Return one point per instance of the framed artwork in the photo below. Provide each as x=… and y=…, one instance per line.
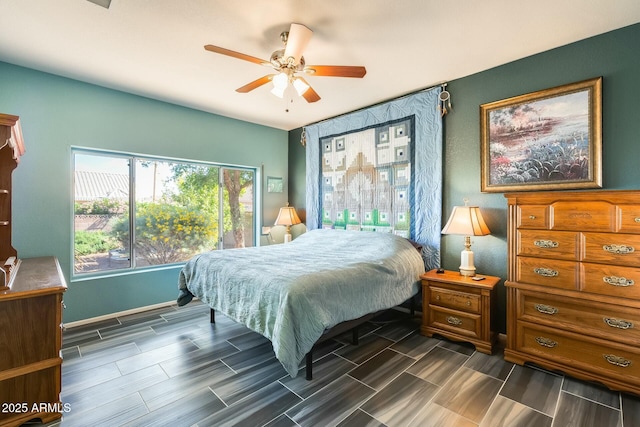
x=274, y=184
x=545, y=140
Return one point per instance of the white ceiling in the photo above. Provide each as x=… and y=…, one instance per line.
x=154, y=48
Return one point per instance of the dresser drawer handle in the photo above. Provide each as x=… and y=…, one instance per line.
x=546, y=309
x=454, y=321
x=617, y=360
x=619, y=249
x=637, y=219
x=468, y=303
x=618, y=323
x=546, y=244
x=437, y=297
x=618, y=281
x=546, y=272
x=546, y=342
x=532, y=217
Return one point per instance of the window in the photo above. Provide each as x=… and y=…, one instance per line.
x=135, y=212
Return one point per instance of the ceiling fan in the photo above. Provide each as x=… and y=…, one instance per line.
x=288, y=62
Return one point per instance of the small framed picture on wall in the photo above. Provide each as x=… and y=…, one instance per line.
x=274, y=184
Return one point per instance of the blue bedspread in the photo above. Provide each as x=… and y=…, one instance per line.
x=292, y=293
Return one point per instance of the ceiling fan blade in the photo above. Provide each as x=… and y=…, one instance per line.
x=335, y=71
x=310, y=95
x=299, y=36
x=255, y=84
x=234, y=54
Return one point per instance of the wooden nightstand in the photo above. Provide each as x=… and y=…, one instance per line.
x=459, y=308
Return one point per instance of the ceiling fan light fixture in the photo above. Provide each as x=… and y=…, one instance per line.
x=278, y=92
x=280, y=81
x=300, y=86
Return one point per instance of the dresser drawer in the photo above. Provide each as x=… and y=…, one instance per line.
x=533, y=216
x=456, y=300
x=611, y=359
x=613, y=248
x=593, y=215
x=629, y=219
x=548, y=244
x=595, y=319
x=455, y=321
x=547, y=272
x=620, y=282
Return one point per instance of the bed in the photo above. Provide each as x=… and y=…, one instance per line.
x=295, y=293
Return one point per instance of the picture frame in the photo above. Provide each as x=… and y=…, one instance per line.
x=274, y=184
x=545, y=140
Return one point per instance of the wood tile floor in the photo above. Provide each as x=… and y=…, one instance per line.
x=171, y=367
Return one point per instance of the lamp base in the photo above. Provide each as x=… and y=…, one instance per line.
x=287, y=237
x=467, y=271
x=467, y=268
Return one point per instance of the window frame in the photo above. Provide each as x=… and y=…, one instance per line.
x=132, y=158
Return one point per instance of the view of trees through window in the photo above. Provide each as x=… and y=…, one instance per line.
x=133, y=212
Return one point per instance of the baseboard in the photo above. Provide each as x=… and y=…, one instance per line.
x=118, y=314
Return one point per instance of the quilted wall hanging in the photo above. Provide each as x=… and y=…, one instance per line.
x=366, y=178
x=380, y=169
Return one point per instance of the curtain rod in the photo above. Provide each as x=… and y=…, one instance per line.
x=443, y=85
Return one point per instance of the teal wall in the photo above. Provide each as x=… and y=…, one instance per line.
x=57, y=113
x=614, y=56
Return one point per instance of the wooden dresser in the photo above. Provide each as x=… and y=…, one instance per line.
x=573, y=288
x=30, y=343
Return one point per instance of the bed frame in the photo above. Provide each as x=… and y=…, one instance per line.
x=339, y=329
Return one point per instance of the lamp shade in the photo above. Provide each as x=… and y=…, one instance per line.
x=287, y=216
x=467, y=221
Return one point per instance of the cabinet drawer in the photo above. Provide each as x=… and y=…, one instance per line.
x=533, y=216
x=622, y=282
x=592, y=215
x=456, y=321
x=456, y=300
x=547, y=272
x=595, y=319
x=548, y=244
x=629, y=218
x=614, y=248
x=612, y=359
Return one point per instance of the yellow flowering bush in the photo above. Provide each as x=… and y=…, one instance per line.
x=167, y=233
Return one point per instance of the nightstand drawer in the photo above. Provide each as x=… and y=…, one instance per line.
x=457, y=300
x=455, y=321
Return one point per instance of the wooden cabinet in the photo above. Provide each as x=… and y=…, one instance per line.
x=11, y=148
x=573, y=289
x=30, y=343
x=459, y=307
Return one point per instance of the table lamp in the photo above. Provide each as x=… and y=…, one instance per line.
x=467, y=221
x=287, y=217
